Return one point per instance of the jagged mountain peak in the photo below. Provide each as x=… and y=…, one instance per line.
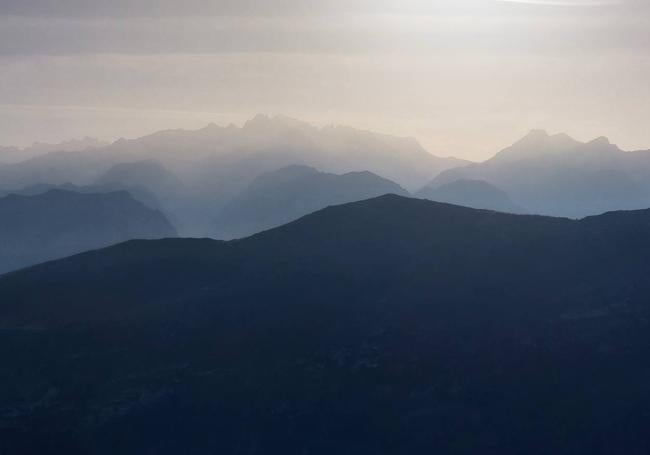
x=600, y=141
x=264, y=121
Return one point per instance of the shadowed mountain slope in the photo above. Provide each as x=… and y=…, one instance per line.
x=155, y=186
x=214, y=164
x=147, y=174
x=471, y=193
x=557, y=175
x=278, y=197
x=60, y=223
x=391, y=325
x=16, y=154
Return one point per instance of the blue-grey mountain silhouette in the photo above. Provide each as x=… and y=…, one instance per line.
x=17, y=154
x=471, y=193
x=148, y=174
x=60, y=223
x=391, y=325
x=278, y=197
x=557, y=175
x=152, y=184
x=216, y=163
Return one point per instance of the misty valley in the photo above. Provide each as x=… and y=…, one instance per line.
x=286, y=288
x=228, y=182
x=339, y=227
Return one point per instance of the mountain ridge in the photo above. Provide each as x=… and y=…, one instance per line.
x=390, y=311
x=277, y=197
x=559, y=176
x=472, y=193
x=60, y=222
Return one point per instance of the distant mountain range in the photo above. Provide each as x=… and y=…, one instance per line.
x=146, y=174
x=278, y=197
x=391, y=325
x=268, y=143
x=59, y=223
x=471, y=193
x=17, y=154
x=263, y=144
x=58, y=168
x=215, y=164
x=557, y=175
x=198, y=178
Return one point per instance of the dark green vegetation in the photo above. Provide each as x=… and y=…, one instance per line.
x=389, y=326
x=58, y=223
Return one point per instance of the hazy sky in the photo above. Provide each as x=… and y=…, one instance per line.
x=466, y=77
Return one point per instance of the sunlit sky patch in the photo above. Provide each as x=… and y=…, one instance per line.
x=464, y=76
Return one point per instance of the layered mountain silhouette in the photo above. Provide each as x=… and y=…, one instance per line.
x=542, y=173
x=471, y=193
x=17, y=154
x=148, y=174
x=140, y=193
x=557, y=175
x=278, y=197
x=41, y=188
x=59, y=223
x=214, y=164
x=150, y=183
x=59, y=168
x=268, y=143
x=391, y=325
x=213, y=154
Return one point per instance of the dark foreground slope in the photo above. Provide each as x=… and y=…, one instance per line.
x=389, y=326
x=59, y=223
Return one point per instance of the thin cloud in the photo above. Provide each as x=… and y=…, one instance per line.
x=158, y=8
x=566, y=3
